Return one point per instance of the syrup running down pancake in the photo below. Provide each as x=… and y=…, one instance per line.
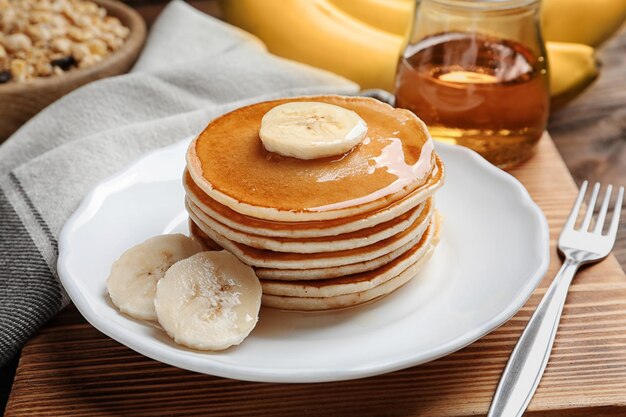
x=229, y=163
x=306, y=229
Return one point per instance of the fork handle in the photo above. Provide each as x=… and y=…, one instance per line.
x=528, y=361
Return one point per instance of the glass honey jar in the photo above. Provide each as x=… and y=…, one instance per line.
x=476, y=73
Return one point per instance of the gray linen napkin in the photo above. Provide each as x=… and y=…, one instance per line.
x=193, y=68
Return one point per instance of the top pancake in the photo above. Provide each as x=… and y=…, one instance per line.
x=229, y=163
x=313, y=229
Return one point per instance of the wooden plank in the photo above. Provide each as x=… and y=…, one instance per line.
x=590, y=132
x=71, y=369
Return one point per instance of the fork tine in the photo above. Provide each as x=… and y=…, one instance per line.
x=592, y=204
x=573, y=215
x=603, y=210
x=616, y=213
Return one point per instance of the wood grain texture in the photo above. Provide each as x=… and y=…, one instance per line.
x=71, y=369
x=590, y=132
x=21, y=101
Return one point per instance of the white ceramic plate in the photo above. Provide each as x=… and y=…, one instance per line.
x=492, y=255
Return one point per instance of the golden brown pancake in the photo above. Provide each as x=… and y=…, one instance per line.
x=357, y=282
x=271, y=259
x=324, y=233
x=310, y=273
x=319, y=228
x=345, y=300
x=229, y=163
x=343, y=241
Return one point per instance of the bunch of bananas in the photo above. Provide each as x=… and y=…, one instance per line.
x=362, y=39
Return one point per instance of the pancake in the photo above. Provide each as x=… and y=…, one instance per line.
x=321, y=233
x=345, y=241
x=311, y=273
x=333, y=227
x=359, y=282
x=196, y=233
x=346, y=300
x=229, y=163
x=270, y=259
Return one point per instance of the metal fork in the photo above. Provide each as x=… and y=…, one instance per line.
x=530, y=356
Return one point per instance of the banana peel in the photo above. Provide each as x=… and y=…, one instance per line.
x=572, y=21
x=589, y=22
x=319, y=33
x=393, y=16
x=573, y=68
x=362, y=39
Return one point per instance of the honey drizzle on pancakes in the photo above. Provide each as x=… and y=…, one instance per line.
x=396, y=158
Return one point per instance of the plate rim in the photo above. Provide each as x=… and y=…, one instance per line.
x=215, y=367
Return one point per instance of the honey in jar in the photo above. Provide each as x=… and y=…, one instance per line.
x=479, y=90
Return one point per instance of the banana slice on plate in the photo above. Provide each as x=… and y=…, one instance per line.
x=209, y=301
x=134, y=276
x=310, y=130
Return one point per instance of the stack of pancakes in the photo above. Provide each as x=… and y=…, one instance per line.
x=324, y=233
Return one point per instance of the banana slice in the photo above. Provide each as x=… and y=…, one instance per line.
x=310, y=130
x=209, y=301
x=134, y=276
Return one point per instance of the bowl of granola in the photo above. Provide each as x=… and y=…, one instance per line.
x=51, y=47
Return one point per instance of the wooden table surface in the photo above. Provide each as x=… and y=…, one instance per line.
x=590, y=133
x=71, y=369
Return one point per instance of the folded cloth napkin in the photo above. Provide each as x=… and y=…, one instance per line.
x=193, y=68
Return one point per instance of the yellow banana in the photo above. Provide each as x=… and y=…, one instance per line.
x=318, y=33
x=581, y=21
x=572, y=68
x=393, y=16
x=363, y=39
x=577, y=21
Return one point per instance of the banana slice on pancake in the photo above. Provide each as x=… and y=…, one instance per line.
x=311, y=130
x=209, y=301
x=134, y=276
